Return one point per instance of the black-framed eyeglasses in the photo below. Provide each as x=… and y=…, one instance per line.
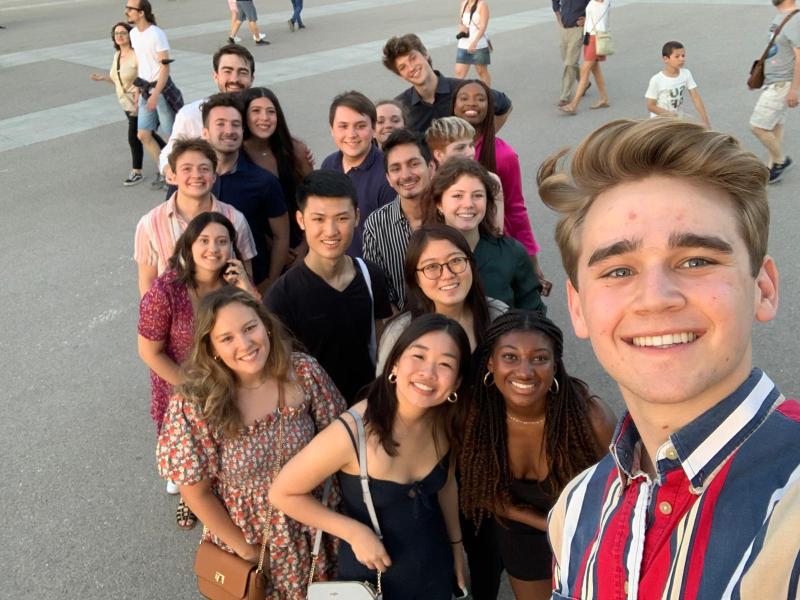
x=133, y=8
x=117, y=33
x=456, y=265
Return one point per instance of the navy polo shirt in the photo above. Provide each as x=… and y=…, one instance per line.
x=571, y=11
x=258, y=195
x=420, y=113
x=372, y=188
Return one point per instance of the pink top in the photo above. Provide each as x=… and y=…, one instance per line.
x=240, y=472
x=516, y=223
x=159, y=230
x=166, y=315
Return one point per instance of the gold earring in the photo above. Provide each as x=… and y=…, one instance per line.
x=392, y=377
x=216, y=357
x=555, y=381
x=486, y=379
x=452, y=398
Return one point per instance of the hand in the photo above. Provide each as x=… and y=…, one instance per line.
x=152, y=102
x=473, y=46
x=97, y=77
x=463, y=28
x=547, y=286
x=235, y=274
x=369, y=550
x=580, y=21
x=310, y=157
x=791, y=99
x=252, y=552
x=291, y=257
x=459, y=565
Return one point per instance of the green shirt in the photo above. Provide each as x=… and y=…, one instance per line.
x=507, y=273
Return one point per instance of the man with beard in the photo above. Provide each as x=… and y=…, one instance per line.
x=409, y=169
x=247, y=187
x=234, y=67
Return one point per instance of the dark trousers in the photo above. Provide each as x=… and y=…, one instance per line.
x=137, y=150
x=485, y=564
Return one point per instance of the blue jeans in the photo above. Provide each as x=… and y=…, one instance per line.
x=151, y=119
x=298, y=7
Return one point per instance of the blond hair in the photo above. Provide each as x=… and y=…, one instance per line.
x=447, y=130
x=208, y=382
x=628, y=150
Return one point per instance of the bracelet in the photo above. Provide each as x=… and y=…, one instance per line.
x=457, y=542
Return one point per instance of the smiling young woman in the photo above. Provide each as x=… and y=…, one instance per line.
x=530, y=428
x=243, y=392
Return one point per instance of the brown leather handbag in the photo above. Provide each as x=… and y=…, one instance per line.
x=225, y=576
x=756, y=79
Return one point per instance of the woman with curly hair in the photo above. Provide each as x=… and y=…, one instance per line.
x=531, y=427
x=247, y=405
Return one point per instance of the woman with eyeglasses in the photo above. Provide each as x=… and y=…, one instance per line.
x=440, y=277
x=462, y=194
x=124, y=69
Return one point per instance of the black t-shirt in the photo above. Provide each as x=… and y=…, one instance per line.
x=333, y=326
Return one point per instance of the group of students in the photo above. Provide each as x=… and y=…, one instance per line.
x=413, y=296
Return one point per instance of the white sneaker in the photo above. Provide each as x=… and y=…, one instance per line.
x=172, y=488
x=236, y=39
x=261, y=36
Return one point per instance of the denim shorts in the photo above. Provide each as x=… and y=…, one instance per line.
x=247, y=10
x=481, y=56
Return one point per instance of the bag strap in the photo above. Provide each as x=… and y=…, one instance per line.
x=776, y=33
x=373, y=342
x=603, y=16
x=276, y=467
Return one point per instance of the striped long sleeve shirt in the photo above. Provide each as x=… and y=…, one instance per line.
x=721, y=519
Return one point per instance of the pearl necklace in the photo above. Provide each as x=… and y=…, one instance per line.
x=516, y=420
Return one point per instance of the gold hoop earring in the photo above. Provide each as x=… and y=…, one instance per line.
x=486, y=379
x=555, y=382
x=216, y=357
x=452, y=398
x=392, y=378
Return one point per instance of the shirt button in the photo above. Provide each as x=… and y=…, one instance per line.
x=665, y=508
x=671, y=454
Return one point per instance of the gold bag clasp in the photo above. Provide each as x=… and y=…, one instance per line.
x=219, y=577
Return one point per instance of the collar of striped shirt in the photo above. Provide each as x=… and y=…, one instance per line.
x=704, y=444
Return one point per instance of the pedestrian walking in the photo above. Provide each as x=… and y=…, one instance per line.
x=474, y=46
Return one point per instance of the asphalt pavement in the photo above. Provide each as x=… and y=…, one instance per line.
x=83, y=514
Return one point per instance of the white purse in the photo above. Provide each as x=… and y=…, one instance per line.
x=348, y=590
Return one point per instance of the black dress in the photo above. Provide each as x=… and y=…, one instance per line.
x=414, y=535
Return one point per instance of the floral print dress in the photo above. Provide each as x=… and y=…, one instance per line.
x=241, y=471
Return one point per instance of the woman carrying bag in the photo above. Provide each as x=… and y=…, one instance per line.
x=595, y=26
x=246, y=406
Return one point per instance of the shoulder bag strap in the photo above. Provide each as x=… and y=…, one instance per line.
x=362, y=465
x=776, y=33
x=373, y=342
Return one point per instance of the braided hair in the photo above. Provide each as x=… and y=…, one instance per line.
x=569, y=441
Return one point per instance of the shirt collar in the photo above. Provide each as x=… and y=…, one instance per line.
x=396, y=211
x=443, y=87
x=701, y=447
x=366, y=164
x=173, y=212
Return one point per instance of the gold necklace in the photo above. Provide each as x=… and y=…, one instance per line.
x=516, y=420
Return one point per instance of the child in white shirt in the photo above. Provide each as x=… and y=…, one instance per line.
x=668, y=88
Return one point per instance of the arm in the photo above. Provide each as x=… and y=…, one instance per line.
x=448, y=501
x=791, y=97
x=527, y=516
x=657, y=110
x=603, y=422
x=483, y=11
x=330, y=451
x=202, y=501
x=700, y=107
x=499, y=204
x=304, y=158
x=525, y=283
x=161, y=82
x=147, y=275
x=280, y=246
x=101, y=77
x=152, y=354
x=500, y=120
x=518, y=223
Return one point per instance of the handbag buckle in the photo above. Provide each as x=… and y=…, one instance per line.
x=219, y=578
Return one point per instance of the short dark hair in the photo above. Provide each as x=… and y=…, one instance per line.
x=398, y=46
x=183, y=145
x=326, y=184
x=226, y=100
x=238, y=50
x=114, y=28
x=401, y=137
x=355, y=101
x=182, y=260
x=668, y=48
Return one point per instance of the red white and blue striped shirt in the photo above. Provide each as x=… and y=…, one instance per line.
x=720, y=520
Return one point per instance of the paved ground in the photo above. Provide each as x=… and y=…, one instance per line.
x=81, y=501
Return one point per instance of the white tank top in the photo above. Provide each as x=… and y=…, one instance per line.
x=473, y=25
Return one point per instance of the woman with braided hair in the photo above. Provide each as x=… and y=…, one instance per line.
x=531, y=427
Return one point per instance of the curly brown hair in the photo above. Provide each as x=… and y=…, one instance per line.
x=569, y=441
x=210, y=384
